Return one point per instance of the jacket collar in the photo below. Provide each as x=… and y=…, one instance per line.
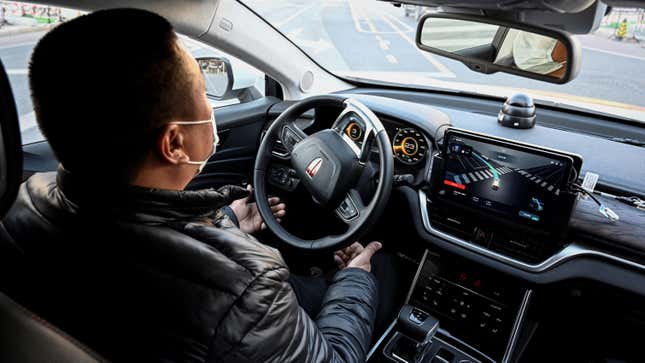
x=145, y=204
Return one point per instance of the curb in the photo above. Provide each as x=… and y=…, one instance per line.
x=24, y=30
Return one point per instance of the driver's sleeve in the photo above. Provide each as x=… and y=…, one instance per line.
x=281, y=331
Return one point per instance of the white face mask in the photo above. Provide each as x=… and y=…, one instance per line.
x=202, y=164
x=532, y=52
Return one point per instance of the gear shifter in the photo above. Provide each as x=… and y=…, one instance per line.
x=418, y=328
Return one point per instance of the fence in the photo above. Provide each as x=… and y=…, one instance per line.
x=635, y=19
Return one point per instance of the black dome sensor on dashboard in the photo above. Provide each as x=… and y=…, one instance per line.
x=518, y=112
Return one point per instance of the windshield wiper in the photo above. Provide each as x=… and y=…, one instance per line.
x=626, y=140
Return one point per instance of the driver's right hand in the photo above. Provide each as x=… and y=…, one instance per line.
x=356, y=255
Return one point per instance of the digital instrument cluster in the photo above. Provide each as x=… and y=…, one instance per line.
x=409, y=145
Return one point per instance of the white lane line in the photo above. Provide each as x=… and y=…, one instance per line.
x=279, y=24
x=358, y=15
x=384, y=44
x=392, y=59
x=18, y=71
x=17, y=45
x=615, y=53
x=440, y=67
x=408, y=27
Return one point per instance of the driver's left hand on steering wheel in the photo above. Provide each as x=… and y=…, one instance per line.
x=248, y=216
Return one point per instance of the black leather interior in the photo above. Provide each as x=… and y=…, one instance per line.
x=24, y=337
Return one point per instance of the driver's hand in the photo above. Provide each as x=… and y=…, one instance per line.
x=248, y=215
x=356, y=255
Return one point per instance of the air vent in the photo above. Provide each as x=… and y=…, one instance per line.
x=527, y=250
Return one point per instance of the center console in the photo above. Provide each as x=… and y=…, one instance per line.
x=478, y=314
x=510, y=198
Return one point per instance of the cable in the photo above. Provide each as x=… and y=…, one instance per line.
x=602, y=208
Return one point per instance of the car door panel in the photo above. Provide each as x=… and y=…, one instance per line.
x=239, y=127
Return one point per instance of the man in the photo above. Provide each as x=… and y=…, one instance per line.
x=540, y=54
x=119, y=255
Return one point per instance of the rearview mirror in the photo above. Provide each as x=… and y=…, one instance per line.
x=487, y=45
x=218, y=76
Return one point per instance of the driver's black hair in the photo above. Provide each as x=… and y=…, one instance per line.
x=102, y=84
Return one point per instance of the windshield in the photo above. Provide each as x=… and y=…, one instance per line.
x=373, y=41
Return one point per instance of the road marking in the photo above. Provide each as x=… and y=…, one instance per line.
x=384, y=44
x=457, y=179
x=465, y=178
x=550, y=188
x=392, y=59
x=294, y=15
x=18, y=72
x=409, y=28
x=440, y=67
x=543, y=184
x=354, y=10
x=17, y=45
x=472, y=176
x=615, y=53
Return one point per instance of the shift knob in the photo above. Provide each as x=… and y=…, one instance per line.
x=416, y=324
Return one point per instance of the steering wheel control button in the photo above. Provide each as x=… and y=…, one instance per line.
x=283, y=177
x=347, y=209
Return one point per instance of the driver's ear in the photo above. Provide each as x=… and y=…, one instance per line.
x=170, y=145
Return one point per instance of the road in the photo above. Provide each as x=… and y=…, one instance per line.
x=373, y=39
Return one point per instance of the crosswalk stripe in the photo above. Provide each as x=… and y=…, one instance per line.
x=474, y=178
x=543, y=184
x=550, y=188
x=457, y=180
x=465, y=178
x=557, y=192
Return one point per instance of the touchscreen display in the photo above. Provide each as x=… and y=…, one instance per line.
x=516, y=183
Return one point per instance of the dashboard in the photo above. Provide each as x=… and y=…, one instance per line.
x=582, y=241
x=409, y=145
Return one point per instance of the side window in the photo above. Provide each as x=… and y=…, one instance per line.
x=246, y=84
x=21, y=26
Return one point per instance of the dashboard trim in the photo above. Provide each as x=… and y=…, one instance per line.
x=517, y=325
x=571, y=251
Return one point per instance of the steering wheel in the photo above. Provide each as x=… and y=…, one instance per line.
x=329, y=163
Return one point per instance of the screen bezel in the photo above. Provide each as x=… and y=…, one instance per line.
x=557, y=225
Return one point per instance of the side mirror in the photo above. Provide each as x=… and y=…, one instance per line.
x=489, y=45
x=218, y=76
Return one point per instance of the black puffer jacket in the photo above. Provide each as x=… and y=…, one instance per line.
x=149, y=275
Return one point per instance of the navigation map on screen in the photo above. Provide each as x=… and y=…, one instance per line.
x=512, y=182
